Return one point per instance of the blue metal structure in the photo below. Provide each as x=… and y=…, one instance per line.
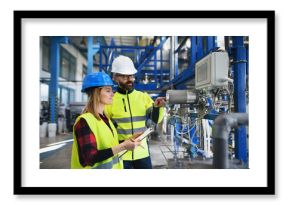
x=146, y=57
x=54, y=72
x=177, y=130
x=92, y=50
x=198, y=51
x=211, y=44
x=200, y=48
x=193, y=51
x=240, y=63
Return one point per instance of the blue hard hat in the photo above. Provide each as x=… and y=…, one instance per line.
x=98, y=79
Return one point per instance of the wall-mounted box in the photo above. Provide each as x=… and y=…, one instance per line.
x=212, y=71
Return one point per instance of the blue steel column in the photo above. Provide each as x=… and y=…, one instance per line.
x=138, y=51
x=193, y=51
x=173, y=58
x=107, y=56
x=54, y=73
x=200, y=53
x=176, y=56
x=240, y=95
x=155, y=69
x=90, y=55
x=210, y=43
x=161, y=67
x=92, y=49
x=101, y=60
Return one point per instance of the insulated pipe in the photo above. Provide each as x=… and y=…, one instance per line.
x=220, y=133
x=173, y=57
x=181, y=97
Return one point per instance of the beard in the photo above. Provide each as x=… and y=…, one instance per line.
x=127, y=86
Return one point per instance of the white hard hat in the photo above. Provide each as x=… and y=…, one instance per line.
x=123, y=65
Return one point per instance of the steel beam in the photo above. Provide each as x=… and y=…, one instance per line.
x=149, y=56
x=54, y=74
x=211, y=43
x=200, y=52
x=193, y=51
x=92, y=50
x=240, y=95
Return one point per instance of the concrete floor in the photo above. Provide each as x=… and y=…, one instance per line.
x=55, y=153
x=60, y=154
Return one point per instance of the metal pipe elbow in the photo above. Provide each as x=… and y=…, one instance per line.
x=220, y=133
x=225, y=122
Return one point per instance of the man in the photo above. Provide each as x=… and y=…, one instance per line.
x=130, y=109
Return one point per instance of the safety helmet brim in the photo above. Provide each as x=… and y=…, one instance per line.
x=98, y=79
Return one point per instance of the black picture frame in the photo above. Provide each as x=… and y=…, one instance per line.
x=19, y=189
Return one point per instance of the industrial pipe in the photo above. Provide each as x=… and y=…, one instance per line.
x=220, y=133
x=181, y=97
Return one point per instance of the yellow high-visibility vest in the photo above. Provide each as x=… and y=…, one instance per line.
x=129, y=112
x=105, y=139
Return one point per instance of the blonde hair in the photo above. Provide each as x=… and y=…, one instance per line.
x=93, y=102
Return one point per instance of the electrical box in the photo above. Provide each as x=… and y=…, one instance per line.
x=212, y=71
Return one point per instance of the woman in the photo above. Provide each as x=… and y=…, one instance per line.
x=95, y=137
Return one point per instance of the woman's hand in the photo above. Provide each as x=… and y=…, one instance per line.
x=130, y=144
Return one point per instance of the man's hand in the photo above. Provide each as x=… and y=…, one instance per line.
x=160, y=102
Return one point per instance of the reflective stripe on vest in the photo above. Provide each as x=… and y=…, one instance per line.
x=108, y=165
x=129, y=131
x=128, y=119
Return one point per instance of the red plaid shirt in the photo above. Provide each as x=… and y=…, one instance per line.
x=87, y=145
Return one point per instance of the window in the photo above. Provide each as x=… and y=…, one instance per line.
x=67, y=65
x=84, y=71
x=66, y=95
x=45, y=53
x=43, y=92
x=84, y=97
